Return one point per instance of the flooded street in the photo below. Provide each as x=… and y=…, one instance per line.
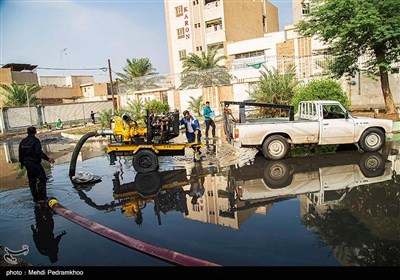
x=234, y=208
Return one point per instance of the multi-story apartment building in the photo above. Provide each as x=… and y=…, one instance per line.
x=198, y=25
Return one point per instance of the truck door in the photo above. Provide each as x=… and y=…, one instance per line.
x=335, y=128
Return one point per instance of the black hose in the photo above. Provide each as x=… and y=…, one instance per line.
x=72, y=165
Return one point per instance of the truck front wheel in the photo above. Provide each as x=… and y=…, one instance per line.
x=145, y=161
x=275, y=147
x=372, y=140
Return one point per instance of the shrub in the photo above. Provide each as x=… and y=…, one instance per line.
x=157, y=107
x=320, y=90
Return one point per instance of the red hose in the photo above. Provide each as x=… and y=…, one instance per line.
x=162, y=253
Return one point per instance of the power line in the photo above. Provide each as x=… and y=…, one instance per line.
x=104, y=69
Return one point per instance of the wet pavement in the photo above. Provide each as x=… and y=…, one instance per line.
x=234, y=208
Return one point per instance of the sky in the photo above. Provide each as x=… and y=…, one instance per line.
x=85, y=34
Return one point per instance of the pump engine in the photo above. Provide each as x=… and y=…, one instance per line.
x=158, y=129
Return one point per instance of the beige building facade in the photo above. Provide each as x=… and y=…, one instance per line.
x=54, y=89
x=195, y=26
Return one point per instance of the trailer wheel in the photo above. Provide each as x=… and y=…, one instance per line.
x=277, y=174
x=372, y=140
x=148, y=183
x=372, y=165
x=145, y=161
x=275, y=147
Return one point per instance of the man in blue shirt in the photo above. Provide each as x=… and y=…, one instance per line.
x=207, y=113
x=192, y=127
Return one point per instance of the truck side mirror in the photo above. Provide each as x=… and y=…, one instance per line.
x=346, y=115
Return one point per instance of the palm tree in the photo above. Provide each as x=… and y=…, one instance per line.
x=204, y=71
x=196, y=104
x=276, y=88
x=139, y=74
x=19, y=95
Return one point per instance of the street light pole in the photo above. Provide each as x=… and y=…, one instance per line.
x=27, y=101
x=112, y=86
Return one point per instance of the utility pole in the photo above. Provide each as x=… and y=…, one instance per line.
x=27, y=102
x=112, y=86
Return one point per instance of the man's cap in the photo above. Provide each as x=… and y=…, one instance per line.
x=31, y=130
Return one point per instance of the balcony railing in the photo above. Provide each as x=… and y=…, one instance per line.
x=212, y=5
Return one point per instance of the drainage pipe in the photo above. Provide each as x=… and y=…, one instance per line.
x=100, y=132
x=144, y=247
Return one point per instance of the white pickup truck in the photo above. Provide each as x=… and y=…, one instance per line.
x=318, y=122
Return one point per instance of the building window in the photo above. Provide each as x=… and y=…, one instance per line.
x=305, y=8
x=249, y=54
x=264, y=19
x=181, y=33
x=197, y=25
x=200, y=48
x=182, y=54
x=195, y=2
x=179, y=11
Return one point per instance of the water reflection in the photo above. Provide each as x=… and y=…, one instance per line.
x=43, y=233
x=349, y=201
x=232, y=196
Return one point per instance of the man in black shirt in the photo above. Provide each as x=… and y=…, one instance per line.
x=30, y=157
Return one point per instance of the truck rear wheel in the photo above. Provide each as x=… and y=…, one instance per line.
x=372, y=140
x=275, y=147
x=145, y=161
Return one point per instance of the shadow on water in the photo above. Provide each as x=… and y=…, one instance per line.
x=43, y=233
x=330, y=209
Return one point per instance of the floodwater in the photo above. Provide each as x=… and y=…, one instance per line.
x=234, y=208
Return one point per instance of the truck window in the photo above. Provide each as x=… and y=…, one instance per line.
x=333, y=112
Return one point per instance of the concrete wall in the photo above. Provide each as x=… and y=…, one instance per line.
x=366, y=92
x=15, y=119
x=58, y=92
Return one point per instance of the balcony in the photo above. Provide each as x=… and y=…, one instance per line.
x=213, y=10
x=252, y=62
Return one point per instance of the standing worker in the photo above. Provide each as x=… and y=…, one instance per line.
x=208, y=113
x=30, y=157
x=192, y=126
x=92, y=116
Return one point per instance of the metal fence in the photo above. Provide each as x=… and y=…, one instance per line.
x=16, y=119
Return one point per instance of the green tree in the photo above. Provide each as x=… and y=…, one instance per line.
x=139, y=74
x=358, y=27
x=320, y=90
x=105, y=118
x=16, y=95
x=204, y=71
x=136, y=110
x=157, y=107
x=196, y=105
x=274, y=87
